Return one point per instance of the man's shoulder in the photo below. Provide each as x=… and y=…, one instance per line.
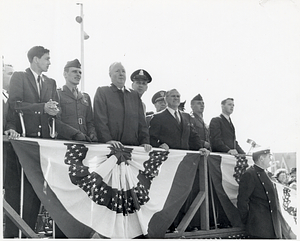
x=46, y=78
x=216, y=119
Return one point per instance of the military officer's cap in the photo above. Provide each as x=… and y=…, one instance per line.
x=197, y=97
x=141, y=74
x=260, y=151
x=158, y=96
x=73, y=63
x=181, y=106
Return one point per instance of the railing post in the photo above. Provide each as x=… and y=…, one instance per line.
x=203, y=184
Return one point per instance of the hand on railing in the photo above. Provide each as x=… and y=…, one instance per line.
x=12, y=134
x=204, y=152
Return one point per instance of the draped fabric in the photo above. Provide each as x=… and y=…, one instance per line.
x=95, y=189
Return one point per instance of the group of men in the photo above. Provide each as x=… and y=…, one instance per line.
x=117, y=117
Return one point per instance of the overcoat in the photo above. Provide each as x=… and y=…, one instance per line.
x=120, y=116
x=258, y=204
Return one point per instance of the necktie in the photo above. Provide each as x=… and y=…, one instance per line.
x=74, y=91
x=39, y=84
x=176, y=117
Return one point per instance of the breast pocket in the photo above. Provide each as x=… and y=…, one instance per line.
x=68, y=108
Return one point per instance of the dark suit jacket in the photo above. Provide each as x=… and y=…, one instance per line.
x=222, y=135
x=257, y=202
x=24, y=96
x=120, y=116
x=76, y=114
x=165, y=129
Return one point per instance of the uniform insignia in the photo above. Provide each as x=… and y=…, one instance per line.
x=141, y=72
x=162, y=94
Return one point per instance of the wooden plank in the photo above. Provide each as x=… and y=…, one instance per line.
x=191, y=213
x=234, y=233
x=18, y=221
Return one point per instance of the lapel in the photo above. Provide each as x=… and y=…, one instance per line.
x=227, y=122
x=45, y=86
x=31, y=79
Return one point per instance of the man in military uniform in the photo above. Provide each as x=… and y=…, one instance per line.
x=140, y=80
x=197, y=105
x=76, y=121
x=257, y=201
x=159, y=102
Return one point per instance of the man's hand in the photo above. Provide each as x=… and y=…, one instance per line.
x=51, y=108
x=147, y=147
x=115, y=144
x=12, y=134
x=206, y=145
x=204, y=151
x=79, y=137
x=164, y=146
x=233, y=152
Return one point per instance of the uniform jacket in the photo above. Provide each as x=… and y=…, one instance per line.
x=120, y=116
x=201, y=128
x=257, y=202
x=24, y=97
x=165, y=129
x=222, y=135
x=76, y=114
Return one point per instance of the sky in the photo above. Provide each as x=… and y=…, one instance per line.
x=248, y=50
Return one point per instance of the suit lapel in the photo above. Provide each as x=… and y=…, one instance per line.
x=45, y=86
x=227, y=122
x=171, y=118
x=31, y=79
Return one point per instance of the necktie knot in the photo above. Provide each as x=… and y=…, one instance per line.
x=75, y=93
x=39, y=79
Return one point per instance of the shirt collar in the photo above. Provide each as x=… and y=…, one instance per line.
x=226, y=116
x=36, y=75
x=172, y=111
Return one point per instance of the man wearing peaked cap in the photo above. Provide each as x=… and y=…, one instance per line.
x=159, y=102
x=140, y=79
x=76, y=120
x=197, y=106
x=257, y=201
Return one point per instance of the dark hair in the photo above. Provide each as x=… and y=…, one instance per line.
x=223, y=102
x=37, y=51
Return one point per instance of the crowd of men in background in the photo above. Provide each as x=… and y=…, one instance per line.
x=33, y=105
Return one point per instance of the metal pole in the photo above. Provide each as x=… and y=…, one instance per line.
x=82, y=45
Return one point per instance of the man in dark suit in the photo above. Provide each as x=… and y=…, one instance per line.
x=172, y=128
x=257, y=201
x=222, y=132
x=118, y=112
x=34, y=95
x=76, y=119
x=197, y=105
